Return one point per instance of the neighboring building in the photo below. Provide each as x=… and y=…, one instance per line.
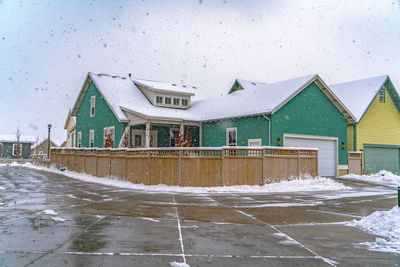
x=70, y=127
x=42, y=147
x=11, y=148
x=375, y=104
x=119, y=112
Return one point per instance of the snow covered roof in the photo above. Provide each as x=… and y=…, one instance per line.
x=121, y=94
x=246, y=84
x=258, y=98
x=53, y=142
x=357, y=95
x=12, y=138
x=166, y=87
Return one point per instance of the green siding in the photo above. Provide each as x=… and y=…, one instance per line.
x=235, y=87
x=311, y=113
x=104, y=117
x=214, y=132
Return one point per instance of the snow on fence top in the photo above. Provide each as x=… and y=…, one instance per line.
x=188, y=148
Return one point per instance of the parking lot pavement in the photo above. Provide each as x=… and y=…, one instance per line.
x=48, y=219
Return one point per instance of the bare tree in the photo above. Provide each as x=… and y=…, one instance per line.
x=18, y=147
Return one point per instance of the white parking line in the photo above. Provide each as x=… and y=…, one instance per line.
x=180, y=231
x=328, y=261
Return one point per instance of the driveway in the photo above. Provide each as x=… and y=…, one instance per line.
x=48, y=219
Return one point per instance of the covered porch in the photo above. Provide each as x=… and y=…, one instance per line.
x=144, y=132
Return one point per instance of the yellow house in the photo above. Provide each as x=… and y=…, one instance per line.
x=375, y=104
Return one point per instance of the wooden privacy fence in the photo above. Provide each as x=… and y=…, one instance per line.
x=354, y=159
x=191, y=166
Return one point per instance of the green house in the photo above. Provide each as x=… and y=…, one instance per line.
x=127, y=112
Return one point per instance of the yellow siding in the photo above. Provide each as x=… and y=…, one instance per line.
x=350, y=137
x=380, y=124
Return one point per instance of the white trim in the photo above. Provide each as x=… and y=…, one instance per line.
x=92, y=106
x=227, y=135
x=255, y=140
x=13, y=148
x=285, y=135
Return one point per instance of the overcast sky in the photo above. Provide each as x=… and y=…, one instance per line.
x=47, y=47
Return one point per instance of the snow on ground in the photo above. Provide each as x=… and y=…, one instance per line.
x=2, y=188
x=385, y=224
x=294, y=185
x=58, y=219
x=178, y=264
x=50, y=212
x=381, y=178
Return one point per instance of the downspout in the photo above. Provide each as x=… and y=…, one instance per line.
x=269, y=128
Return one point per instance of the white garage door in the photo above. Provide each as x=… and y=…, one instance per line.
x=327, y=149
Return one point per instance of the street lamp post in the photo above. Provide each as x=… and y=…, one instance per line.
x=48, y=142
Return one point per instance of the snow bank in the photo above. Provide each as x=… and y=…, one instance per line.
x=2, y=188
x=304, y=184
x=382, y=178
x=49, y=212
x=385, y=224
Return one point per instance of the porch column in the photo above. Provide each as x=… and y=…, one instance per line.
x=181, y=129
x=147, y=134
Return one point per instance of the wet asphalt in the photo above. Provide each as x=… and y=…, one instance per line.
x=48, y=219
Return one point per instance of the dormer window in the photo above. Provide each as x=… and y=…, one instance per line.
x=92, y=105
x=167, y=101
x=184, y=102
x=159, y=99
x=176, y=101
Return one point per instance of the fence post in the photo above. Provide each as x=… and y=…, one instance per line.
x=298, y=163
x=180, y=167
x=148, y=166
x=223, y=167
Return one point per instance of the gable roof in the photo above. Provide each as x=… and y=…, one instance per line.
x=12, y=138
x=358, y=95
x=121, y=94
x=53, y=143
x=262, y=98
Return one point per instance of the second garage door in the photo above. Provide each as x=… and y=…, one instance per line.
x=379, y=158
x=327, y=151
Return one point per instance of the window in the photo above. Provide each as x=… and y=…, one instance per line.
x=231, y=136
x=382, y=95
x=168, y=100
x=184, y=102
x=139, y=138
x=174, y=136
x=91, y=138
x=108, y=140
x=92, y=105
x=17, y=149
x=79, y=137
x=159, y=99
x=73, y=139
x=176, y=101
x=254, y=142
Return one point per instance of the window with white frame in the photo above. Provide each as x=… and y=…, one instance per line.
x=231, y=136
x=92, y=105
x=167, y=100
x=139, y=138
x=184, y=102
x=108, y=140
x=176, y=101
x=91, y=138
x=79, y=139
x=73, y=139
x=159, y=99
x=254, y=142
x=174, y=136
x=17, y=149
